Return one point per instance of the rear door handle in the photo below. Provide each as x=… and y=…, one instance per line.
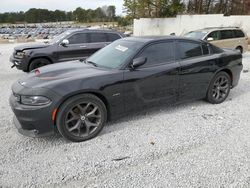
x=83, y=46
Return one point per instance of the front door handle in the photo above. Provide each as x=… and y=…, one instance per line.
x=83, y=46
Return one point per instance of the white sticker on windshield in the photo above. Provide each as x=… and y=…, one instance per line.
x=121, y=48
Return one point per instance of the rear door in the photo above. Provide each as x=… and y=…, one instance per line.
x=155, y=81
x=97, y=41
x=227, y=39
x=197, y=68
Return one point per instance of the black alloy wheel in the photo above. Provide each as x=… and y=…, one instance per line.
x=81, y=117
x=219, y=88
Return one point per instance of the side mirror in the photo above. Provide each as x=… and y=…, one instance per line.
x=210, y=39
x=138, y=62
x=65, y=42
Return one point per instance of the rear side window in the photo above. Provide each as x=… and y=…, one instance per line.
x=97, y=37
x=227, y=34
x=78, y=38
x=239, y=34
x=189, y=49
x=159, y=53
x=112, y=37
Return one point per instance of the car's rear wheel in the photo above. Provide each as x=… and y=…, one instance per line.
x=219, y=88
x=39, y=62
x=239, y=48
x=81, y=117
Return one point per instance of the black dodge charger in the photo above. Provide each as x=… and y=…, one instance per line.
x=77, y=98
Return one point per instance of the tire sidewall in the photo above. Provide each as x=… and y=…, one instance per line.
x=68, y=104
x=35, y=61
x=210, y=92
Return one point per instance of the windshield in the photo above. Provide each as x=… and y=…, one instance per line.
x=115, y=54
x=59, y=37
x=196, y=34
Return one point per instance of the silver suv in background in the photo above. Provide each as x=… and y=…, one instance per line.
x=223, y=37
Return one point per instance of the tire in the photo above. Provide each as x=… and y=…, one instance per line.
x=240, y=49
x=36, y=63
x=81, y=117
x=219, y=88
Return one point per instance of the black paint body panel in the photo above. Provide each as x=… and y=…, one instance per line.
x=122, y=90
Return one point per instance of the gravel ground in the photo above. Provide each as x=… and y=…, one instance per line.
x=193, y=144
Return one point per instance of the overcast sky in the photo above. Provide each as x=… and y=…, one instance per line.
x=24, y=5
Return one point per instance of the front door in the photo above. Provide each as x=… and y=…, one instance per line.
x=157, y=81
x=78, y=48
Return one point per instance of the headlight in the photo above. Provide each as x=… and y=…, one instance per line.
x=35, y=100
x=20, y=55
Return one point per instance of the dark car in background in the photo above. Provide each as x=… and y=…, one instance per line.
x=77, y=98
x=70, y=45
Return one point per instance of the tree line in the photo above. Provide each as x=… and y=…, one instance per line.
x=170, y=8
x=132, y=9
x=34, y=15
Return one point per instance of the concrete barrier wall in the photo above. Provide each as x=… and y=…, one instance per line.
x=185, y=23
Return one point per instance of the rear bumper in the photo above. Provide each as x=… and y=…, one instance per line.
x=236, y=70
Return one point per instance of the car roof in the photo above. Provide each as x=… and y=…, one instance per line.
x=209, y=29
x=93, y=30
x=147, y=39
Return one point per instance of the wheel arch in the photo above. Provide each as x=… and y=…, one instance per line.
x=95, y=93
x=227, y=70
x=39, y=57
x=240, y=47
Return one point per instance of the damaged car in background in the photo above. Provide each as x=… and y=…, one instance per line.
x=70, y=45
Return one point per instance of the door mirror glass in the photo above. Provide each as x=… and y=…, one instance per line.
x=137, y=62
x=65, y=42
x=210, y=39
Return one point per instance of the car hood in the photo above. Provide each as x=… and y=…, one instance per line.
x=31, y=46
x=60, y=73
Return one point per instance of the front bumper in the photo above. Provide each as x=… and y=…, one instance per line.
x=33, y=121
x=30, y=133
x=21, y=64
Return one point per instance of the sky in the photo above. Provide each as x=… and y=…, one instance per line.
x=68, y=5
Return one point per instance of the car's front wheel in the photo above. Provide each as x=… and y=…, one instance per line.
x=39, y=62
x=219, y=88
x=81, y=117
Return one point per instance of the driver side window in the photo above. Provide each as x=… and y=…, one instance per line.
x=215, y=35
x=158, y=53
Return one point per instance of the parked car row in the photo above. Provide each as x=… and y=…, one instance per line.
x=39, y=32
x=77, y=98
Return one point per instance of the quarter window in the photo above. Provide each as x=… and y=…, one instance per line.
x=158, y=53
x=189, y=49
x=239, y=34
x=78, y=38
x=97, y=37
x=205, y=49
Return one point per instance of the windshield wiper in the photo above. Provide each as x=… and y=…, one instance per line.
x=92, y=63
